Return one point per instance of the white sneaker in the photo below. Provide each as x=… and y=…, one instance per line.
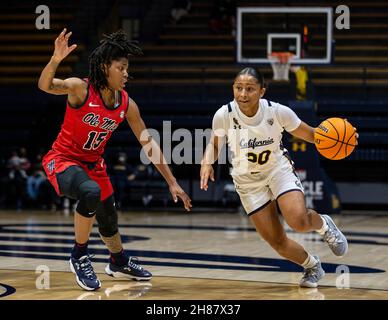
x=334, y=237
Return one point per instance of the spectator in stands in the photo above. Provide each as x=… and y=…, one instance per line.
x=34, y=183
x=75, y=166
x=39, y=191
x=14, y=161
x=120, y=174
x=264, y=175
x=19, y=159
x=301, y=80
x=150, y=178
x=223, y=15
x=17, y=177
x=180, y=9
x=25, y=164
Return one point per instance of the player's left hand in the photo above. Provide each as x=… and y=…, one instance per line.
x=355, y=129
x=62, y=49
x=177, y=192
x=356, y=136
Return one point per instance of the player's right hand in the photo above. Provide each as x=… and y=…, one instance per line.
x=177, y=192
x=207, y=172
x=62, y=49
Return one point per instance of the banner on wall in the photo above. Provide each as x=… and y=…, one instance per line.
x=320, y=193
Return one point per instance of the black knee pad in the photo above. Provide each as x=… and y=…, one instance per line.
x=89, y=195
x=69, y=181
x=106, y=216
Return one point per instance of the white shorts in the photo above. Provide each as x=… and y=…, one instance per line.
x=258, y=194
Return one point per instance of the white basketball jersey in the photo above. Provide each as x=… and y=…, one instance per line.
x=255, y=150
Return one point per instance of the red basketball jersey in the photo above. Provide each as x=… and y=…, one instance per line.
x=87, y=128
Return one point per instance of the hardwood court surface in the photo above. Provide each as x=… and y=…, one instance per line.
x=192, y=256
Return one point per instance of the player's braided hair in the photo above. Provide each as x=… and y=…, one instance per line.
x=112, y=47
x=254, y=73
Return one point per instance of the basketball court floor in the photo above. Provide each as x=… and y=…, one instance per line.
x=192, y=256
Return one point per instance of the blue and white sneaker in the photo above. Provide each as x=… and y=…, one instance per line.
x=311, y=276
x=334, y=238
x=130, y=271
x=85, y=276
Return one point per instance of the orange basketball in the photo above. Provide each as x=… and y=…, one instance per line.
x=335, y=138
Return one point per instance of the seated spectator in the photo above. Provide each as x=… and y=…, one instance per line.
x=17, y=177
x=25, y=164
x=40, y=193
x=180, y=9
x=120, y=174
x=145, y=173
x=34, y=183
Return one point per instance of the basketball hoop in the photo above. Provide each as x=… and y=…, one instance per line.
x=280, y=62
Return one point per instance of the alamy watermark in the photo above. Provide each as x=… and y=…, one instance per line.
x=343, y=20
x=42, y=282
x=182, y=146
x=43, y=20
x=343, y=277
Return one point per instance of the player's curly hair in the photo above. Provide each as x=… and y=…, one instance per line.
x=112, y=47
x=255, y=74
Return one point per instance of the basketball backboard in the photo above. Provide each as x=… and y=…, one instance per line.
x=304, y=31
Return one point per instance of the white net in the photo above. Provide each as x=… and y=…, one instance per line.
x=280, y=63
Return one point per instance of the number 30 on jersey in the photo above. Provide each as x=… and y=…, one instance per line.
x=259, y=158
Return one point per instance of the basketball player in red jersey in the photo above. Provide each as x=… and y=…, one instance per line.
x=74, y=165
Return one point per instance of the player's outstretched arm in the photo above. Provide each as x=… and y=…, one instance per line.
x=304, y=132
x=47, y=82
x=210, y=156
x=154, y=153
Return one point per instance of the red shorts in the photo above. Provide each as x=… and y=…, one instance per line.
x=54, y=163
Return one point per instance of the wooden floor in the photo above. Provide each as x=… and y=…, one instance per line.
x=192, y=256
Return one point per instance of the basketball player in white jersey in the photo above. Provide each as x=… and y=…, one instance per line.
x=263, y=172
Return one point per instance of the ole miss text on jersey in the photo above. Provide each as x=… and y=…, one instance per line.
x=87, y=127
